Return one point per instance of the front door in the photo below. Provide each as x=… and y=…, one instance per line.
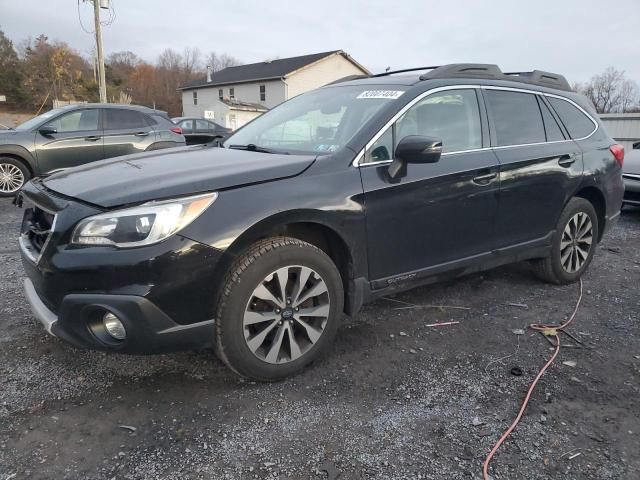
x=126, y=131
x=438, y=213
x=77, y=140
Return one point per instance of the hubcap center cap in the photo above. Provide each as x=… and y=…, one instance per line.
x=287, y=313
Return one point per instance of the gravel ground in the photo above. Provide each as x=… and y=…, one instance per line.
x=394, y=399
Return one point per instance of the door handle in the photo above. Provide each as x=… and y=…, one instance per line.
x=567, y=160
x=92, y=138
x=485, y=179
x=141, y=134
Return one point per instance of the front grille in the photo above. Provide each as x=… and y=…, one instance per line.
x=37, y=225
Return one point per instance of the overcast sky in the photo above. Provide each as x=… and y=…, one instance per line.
x=575, y=37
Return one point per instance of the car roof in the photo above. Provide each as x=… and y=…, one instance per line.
x=140, y=108
x=484, y=74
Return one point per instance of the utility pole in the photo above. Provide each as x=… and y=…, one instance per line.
x=101, y=76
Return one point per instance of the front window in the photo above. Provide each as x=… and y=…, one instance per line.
x=451, y=116
x=39, y=120
x=78, y=121
x=316, y=122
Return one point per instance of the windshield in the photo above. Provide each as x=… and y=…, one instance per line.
x=35, y=121
x=319, y=121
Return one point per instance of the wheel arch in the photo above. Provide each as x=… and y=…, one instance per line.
x=22, y=156
x=595, y=196
x=311, y=227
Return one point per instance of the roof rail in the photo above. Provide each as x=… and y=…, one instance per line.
x=539, y=77
x=404, y=70
x=348, y=78
x=480, y=70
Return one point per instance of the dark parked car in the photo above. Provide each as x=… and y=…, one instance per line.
x=336, y=197
x=631, y=176
x=199, y=130
x=78, y=134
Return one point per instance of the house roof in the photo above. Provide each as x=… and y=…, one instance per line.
x=268, y=70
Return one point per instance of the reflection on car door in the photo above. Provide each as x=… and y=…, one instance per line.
x=438, y=212
x=539, y=166
x=126, y=131
x=78, y=140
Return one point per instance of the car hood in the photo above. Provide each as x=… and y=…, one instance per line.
x=632, y=162
x=171, y=173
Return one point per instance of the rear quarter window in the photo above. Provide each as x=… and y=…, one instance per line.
x=575, y=121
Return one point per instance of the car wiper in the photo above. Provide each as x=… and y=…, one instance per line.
x=252, y=147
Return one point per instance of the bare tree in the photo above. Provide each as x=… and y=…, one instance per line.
x=220, y=61
x=610, y=91
x=629, y=96
x=191, y=63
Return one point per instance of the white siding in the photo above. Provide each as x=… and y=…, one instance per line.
x=624, y=128
x=320, y=73
x=244, y=92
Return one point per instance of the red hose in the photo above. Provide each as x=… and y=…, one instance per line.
x=551, y=330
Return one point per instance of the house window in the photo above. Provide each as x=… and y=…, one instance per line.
x=195, y=97
x=220, y=93
x=263, y=93
x=232, y=93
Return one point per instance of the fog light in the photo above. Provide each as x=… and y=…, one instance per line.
x=114, y=326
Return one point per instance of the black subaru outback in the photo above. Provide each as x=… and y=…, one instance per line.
x=360, y=188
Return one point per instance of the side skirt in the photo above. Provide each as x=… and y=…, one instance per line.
x=537, y=248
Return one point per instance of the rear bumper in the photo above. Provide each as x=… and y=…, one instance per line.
x=149, y=329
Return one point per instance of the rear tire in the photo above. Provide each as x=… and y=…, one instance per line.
x=573, y=244
x=13, y=175
x=266, y=334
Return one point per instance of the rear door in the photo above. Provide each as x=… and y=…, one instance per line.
x=126, y=131
x=438, y=213
x=539, y=165
x=77, y=140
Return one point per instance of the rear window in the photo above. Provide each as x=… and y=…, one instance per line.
x=576, y=122
x=516, y=118
x=116, y=119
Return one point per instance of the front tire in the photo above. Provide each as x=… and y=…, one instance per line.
x=279, y=309
x=13, y=175
x=574, y=244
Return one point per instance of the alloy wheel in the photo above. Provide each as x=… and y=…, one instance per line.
x=11, y=178
x=576, y=242
x=286, y=314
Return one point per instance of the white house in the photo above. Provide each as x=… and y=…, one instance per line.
x=236, y=95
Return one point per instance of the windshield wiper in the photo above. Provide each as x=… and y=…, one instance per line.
x=252, y=147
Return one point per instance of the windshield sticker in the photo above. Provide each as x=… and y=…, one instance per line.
x=388, y=94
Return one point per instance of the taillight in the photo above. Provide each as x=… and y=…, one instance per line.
x=618, y=153
x=178, y=130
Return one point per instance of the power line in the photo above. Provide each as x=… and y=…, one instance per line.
x=90, y=32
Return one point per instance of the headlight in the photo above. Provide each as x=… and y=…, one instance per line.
x=149, y=223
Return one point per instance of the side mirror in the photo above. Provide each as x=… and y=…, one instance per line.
x=47, y=130
x=414, y=149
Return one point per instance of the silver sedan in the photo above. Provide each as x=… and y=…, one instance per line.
x=631, y=176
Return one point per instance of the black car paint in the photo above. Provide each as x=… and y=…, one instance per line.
x=165, y=174
x=434, y=223
x=198, y=136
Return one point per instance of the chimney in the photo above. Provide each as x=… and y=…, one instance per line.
x=209, y=69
